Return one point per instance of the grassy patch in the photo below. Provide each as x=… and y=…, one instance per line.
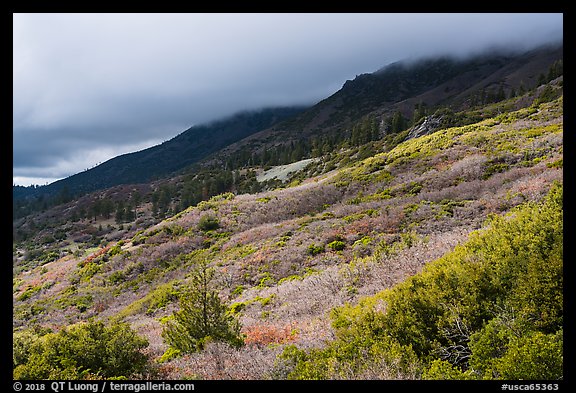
x=153, y=301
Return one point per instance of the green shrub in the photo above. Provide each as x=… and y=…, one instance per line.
x=266, y=281
x=117, y=249
x=494, y=168
x=47, y=239
x=117, y=277
x=556, y=164
x=413, y=188
x=444, y=370
x=314, y=249
x=28, y=293
x=156, y=299
x=238, y=290
x=83, y=302
x=87, y=348
x=170, y=354
x=337, y=245
x=237, y=307
x=208, y=223
x=227, y=196
x=447, y=207
x=498, y=351
x=89, y=269
x=290, y=278
x=50, y=257
x=264, y=300
x=22, y=342
x=534, y=356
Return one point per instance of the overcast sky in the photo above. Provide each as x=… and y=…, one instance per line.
x=88, y=87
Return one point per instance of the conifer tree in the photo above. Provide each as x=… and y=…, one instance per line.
x=202, y=317
x=398, y=122
x=521, y=89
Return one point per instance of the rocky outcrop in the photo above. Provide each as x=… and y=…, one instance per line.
x=428, y=126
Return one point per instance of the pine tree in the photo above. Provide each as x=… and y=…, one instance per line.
x=107, y=207
x=521, y=89
x=129, y=214
x=202, y=317
x=555, y=70
x=419, y=112
x=96, y=209
x=64, y=195
x=501, y=94
x=120, y=212
x=164, y=199
x=398, y=122
x=355, y=137
x=136, y=199
x=490, y=97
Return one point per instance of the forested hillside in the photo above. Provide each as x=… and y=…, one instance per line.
x=185, y=149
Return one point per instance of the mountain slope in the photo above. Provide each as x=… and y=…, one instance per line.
x=426, y=252
x=400, y=87
x=158, y=161
x=285, y=259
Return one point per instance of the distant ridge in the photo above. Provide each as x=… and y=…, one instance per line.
x=161, y=160
x=395, y=88
x=443, y=80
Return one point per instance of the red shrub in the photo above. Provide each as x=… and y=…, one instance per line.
x=269, y=334
x=95, y=255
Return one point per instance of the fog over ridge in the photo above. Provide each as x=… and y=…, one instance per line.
x=88, y=87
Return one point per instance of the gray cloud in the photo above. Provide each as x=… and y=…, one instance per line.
x=91, y=86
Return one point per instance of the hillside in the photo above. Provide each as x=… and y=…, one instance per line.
x=158, y=161
x=406, y=91
x=367, y=108
x=329, y=260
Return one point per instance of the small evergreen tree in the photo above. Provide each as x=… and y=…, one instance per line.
x=107, y=207
x=419, y=112
x=202, y=317
x=96, y=209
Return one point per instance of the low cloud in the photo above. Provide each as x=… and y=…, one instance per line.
x=91, y=86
